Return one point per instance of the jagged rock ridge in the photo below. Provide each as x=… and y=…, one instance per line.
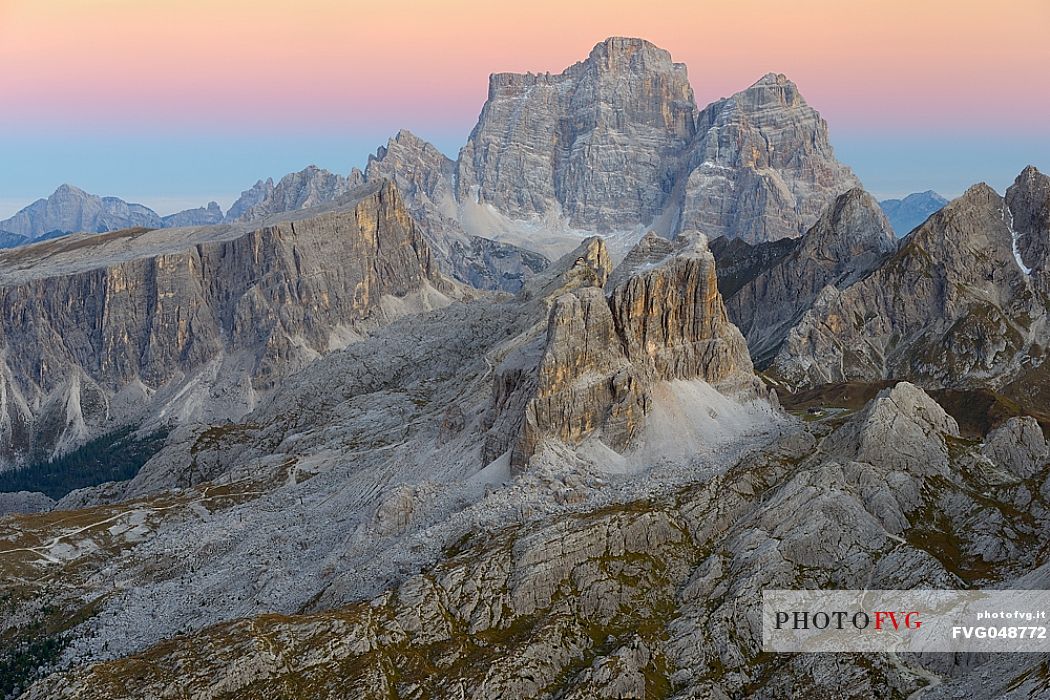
x=72, y=210
x=956, y=305
x=307, y=188
x=426, y=177
x=850, y=240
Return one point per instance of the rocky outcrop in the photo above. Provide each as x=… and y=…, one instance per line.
x=307, y=188
x=189, y=330
x=210, y=215
x=905, y=415
x=598, y=143
x=850, y=240
x=249, y=198
x=591, y=374
x=584, y=382
x=1018, y=445
x=672, y=318
x=487, y=264
x=1028, y=199
x=953, y=306
x=425, y=176
x=24, y=502
x=761, y=167
x=72, y=209
x=907, y=213
x=656, y=594
x=517, y=376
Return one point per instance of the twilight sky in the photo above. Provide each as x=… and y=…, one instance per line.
x=175, y=102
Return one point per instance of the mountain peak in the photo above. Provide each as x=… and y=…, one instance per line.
x=772, y=88
x=405, y=136
x=980, y=193
x=855, y=219
x=771, y=78
x=1029, y=173
x=625, y=46
x=66, y=189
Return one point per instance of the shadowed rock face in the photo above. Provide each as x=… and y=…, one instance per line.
x=1029, y=201
x=954, y=306
x=599, y=141
x=850, y=240
x=98, y=345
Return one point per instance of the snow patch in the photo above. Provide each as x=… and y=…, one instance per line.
x=1008, y=219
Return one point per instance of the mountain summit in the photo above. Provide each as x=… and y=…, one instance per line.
x=616, y=142
x=905, y=214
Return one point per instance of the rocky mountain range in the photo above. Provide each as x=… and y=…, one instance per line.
x=963, y=300
x=195, y=322
x=851, y=239
x=541, y=421
x=905, y=214
x=614, y=145
x=71, y=210
x=12, y=240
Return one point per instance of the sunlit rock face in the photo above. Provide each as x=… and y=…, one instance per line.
x=762, y=167
x=658, y=318
x=599, y=142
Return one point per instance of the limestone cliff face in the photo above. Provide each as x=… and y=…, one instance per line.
x=672, y=318
x=591, y=373
x=1028, y=199
x=203, y=327
x=425, y=176
x=616, y=142
x=762, y=167
x=599, y=141
x=953, y=306
x=517, y=378
x=584, y=381
x=850, y=240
